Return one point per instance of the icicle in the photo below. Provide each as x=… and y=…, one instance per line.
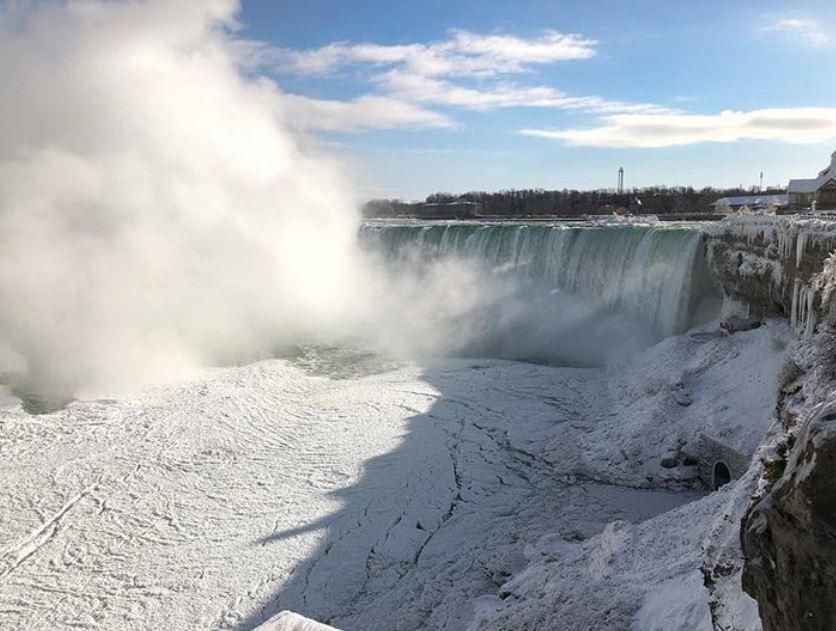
x=800, y=246
x=810, y=313
x=802, y=312
x=796, y=289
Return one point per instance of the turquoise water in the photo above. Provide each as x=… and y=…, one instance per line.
x=653, y=273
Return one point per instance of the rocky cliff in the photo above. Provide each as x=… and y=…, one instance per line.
x=777, y=266
x=789, y=535
x=768, y=265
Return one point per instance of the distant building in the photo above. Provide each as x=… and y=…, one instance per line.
x=752, y=202
x=449, y=210
x=821, y=190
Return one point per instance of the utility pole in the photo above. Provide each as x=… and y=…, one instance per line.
x=620, y=180
x=760, y=188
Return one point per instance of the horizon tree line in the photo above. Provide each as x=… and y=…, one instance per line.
x=566, y=202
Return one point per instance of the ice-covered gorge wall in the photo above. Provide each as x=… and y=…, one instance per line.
x=782, y=266
x=785, y=265
x=771, y=265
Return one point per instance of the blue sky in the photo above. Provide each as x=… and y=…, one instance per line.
x=430, y=95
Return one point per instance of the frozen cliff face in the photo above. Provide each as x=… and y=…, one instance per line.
x=768, y=266
x=782, y=266
x=825, y=286
x=789, y=535
x=789, y=532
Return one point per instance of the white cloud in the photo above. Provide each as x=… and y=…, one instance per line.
x=462, y=54
x=807, y=30
x=362, y=113
x=461, y=72
x=793, y=125
x=422, y=89
x=452, y=73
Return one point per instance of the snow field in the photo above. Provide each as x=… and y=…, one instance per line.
x=456, y=493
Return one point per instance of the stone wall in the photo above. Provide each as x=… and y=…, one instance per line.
x=712, y=451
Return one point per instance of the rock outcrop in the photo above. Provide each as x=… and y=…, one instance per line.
x=789, y=535
x=769, y=263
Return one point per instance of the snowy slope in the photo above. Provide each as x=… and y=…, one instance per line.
x=642, y=576
x=648, y=576
x=656, y=407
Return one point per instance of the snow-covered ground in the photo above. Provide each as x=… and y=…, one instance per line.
x=374, y=495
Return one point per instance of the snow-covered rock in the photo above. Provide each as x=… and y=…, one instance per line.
x=790, y=530
x=289, y=621
x=650, y=412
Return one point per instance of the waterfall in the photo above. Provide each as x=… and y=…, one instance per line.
x=655, y=274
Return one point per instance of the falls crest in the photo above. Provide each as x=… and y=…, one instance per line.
x=655, y=274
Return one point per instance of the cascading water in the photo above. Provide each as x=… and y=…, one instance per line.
x=655, y=274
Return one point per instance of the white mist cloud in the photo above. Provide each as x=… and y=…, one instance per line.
x=158, y=214
x=155, y=213
x=792, y=125
x=454, y=305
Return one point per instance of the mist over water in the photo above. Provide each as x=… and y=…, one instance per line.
x=157, y=215
x=582, y=295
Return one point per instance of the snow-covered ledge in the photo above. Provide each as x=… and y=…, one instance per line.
x=289, y=621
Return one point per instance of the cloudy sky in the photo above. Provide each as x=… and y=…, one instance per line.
x=427, y=95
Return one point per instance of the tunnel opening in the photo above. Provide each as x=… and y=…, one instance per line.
x=721, y=475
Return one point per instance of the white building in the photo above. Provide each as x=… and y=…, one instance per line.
x=821, y=190
x=752, y=202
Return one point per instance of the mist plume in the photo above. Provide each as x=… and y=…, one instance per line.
x=155, y=214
